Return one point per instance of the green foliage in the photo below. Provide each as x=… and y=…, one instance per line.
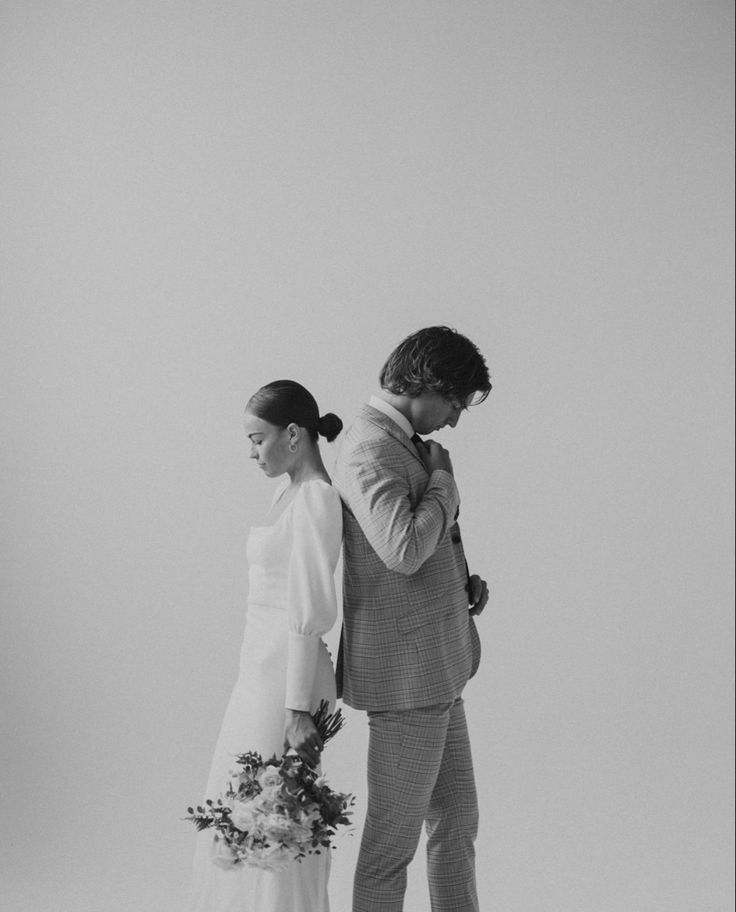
x=282, y=808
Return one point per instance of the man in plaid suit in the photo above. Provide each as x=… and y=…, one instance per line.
x=409, y=642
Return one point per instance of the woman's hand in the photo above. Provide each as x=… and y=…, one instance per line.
x=301, y=735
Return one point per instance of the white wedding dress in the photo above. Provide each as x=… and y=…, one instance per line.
x=283, y=662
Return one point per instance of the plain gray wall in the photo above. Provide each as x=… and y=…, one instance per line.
x=200, y=198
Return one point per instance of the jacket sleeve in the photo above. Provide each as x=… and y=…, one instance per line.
x=312, y=600
x=376, y=487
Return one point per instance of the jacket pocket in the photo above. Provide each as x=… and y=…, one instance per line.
x=421, y=619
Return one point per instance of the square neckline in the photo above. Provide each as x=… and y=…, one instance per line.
x=279, y=494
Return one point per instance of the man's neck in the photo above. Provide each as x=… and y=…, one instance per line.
x=400, y=403
x=396, y=411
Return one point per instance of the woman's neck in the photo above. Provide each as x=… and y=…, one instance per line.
x=309, y=468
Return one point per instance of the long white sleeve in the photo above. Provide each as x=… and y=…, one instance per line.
x=312, y=600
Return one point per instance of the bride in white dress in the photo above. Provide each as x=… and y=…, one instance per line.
x=285, y=669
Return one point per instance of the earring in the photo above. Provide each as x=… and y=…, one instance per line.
x=293, y=447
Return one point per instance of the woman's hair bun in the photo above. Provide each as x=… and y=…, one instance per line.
x=329, y=426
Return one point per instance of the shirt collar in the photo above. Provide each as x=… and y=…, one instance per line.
x=392, y=413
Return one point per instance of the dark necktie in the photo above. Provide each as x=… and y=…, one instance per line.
x=456, y=539
x=421, y=446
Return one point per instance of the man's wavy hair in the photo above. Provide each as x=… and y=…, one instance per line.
x=437, y=359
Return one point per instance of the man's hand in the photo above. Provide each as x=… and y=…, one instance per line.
x=300, y=734
x=435, y=456
x=477, y=594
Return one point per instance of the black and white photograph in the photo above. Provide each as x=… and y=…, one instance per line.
x=367, y=456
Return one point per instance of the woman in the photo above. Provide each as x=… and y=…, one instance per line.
x=285, y=669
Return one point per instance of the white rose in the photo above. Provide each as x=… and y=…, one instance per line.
x=270, y=777
x=277, y=827
x=242, y=817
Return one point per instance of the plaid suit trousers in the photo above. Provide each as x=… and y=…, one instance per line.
x=420, y=771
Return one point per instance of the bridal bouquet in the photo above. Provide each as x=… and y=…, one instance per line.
x=275, y=811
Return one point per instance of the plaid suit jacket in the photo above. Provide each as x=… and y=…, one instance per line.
x=406, y=639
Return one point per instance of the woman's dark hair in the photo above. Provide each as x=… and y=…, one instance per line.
x=436, y=360
x=284, y=402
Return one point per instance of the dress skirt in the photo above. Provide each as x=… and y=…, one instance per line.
x=254, y=721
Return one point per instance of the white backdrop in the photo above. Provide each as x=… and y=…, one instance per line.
x=200, y=198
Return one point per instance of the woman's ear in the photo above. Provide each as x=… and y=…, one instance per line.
x=294, y=432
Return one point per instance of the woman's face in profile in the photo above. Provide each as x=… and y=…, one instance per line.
x=269, y=445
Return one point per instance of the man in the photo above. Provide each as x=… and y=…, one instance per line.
x=409, y=642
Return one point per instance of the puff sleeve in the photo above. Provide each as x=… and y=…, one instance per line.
x=312, y=600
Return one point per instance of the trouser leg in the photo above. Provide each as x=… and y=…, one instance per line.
x=405, y=754
x=452, y=823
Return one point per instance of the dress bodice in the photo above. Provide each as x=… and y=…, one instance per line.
x=268, y=551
